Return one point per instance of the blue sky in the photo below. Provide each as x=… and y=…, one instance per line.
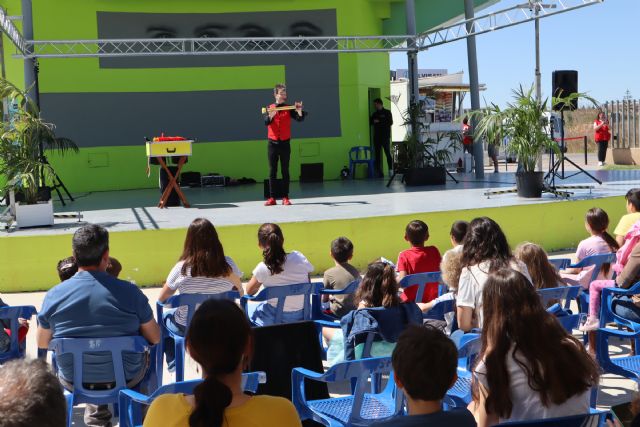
x=601, y=41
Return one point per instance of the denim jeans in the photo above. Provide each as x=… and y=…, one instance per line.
x=169, y=343
x=624, y=307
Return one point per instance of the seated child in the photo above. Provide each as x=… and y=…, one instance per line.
x=340, y=276
x=600, y=242
x=424, y=364
x=418, y=259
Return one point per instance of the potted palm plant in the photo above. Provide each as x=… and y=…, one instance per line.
x=426, y=155
x=523, y=123
x=24, y=139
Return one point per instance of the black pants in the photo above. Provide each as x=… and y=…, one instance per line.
x=602, y=150
x=380, y=144
x=279, y=150
x=467, y=148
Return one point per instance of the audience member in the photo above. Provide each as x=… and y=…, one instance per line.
x=114, y=268
x=456, y=234
x=529, y=367
x=418, y=259
x=93, y=304
x=485, y=250
x=278, y=268
x=600, y=242
x=425, y=362
x=338, y=277
x=202, y=268
x=378, y=289
x=543, y=274
x=633, y=215
x=67, y=267
x=628, y=265
x=5, y=332
x=220, y=340
x=31, y=395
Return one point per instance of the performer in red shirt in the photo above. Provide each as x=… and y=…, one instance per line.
x=602, y=136
x=467, y=136
x=279, y=135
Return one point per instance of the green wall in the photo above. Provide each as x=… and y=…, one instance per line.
x=28, y=263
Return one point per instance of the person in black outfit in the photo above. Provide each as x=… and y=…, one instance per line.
x=381, y=120
x=279, y=135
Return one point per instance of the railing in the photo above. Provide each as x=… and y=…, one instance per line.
x=624, y=122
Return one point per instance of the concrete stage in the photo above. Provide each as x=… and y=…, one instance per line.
x=148, y=240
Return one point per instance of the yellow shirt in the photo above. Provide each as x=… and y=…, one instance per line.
x=173, y=410
x=625, y=223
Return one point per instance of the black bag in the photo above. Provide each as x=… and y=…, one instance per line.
x=190, y=179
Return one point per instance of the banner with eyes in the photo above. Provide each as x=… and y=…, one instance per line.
x=114, y=117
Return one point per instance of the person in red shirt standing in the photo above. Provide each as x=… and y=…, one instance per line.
x=418, y=259
x=279, y=135
x=602, y=136
x=467, y=136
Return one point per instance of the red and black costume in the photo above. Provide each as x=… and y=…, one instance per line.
x=279, y=134
x=602, y=137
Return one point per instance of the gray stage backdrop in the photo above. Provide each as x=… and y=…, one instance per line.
x=123, y=118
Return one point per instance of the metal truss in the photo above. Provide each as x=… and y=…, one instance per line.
x=498, y=20
x=11, y=31
x=288, y=45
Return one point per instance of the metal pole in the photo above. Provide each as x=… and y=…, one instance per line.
x=474, y=89
x=30, y=73
x=412, y=55
x=538, y=76
x=585, y=149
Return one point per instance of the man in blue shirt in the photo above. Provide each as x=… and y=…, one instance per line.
x=425, y=363
x=93, y=304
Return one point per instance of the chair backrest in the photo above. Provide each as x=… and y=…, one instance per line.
x=440, y=308
x=114, y=345
x=131, y=415
x=193, y=301
x=566, y=294
x=360, y=153
x=587, y=420
x=560, y=263
x=10, y=315
x=420, y=280
x=365, y=373
x=280, y=293
x=316, y=299
x=468, y=348
x=606, y=311
x=596, y=261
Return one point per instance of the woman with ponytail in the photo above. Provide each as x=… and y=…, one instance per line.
x=278, y=268
x=219, y=339
x=378, y=289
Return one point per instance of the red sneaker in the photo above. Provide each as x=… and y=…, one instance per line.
x=270, y=202
x=286, y=201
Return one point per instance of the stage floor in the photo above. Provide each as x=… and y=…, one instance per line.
x=136, y=210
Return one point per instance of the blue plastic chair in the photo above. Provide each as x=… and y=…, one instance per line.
x=11, y=314
x=132, y=402
x=114, y=345
x=566, y=294
x=192, y=302
x=280, y=293
x=626, y=366
x=460, y=394
x=421, y=280
x=596, y=261
x=606, y=307
x=596, y=418
x=316, y=300
x=359, y=156
x=362, y=407
x=560, y=263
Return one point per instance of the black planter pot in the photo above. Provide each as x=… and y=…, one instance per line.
x=425, y=176
x=530, y=184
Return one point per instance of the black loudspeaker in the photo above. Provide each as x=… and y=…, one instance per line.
x=278, y=190
x=311, y=172
x=564, y=83
x=173, y=199
x=190, y=179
